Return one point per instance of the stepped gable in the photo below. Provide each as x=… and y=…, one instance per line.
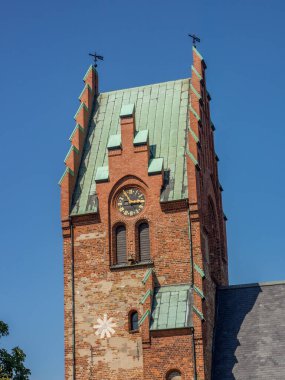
x=72, y=160
x=250, y=332
x=160, y=108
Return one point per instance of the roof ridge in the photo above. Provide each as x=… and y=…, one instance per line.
x=251, y=285
x=143, y=86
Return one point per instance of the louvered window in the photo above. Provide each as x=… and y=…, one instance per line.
x=144, y=246
x=121, y=245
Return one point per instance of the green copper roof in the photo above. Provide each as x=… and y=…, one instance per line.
x=171, y=307
x=102, y=174
x=155, y=166
x=141, y=137
x=114, y=142
x=127, y=110
x=159, y=108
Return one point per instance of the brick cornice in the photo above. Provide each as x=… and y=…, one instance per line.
x=137, y=265
x=85, y=219
x=66, y=228
x=171, y=332
x=172, y=206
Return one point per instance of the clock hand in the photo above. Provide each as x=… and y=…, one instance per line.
x=137, y=201
x=127, y=196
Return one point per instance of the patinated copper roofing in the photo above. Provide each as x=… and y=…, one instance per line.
x=171, y=307
x=162, y=109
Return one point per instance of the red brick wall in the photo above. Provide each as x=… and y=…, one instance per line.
x=169, y=351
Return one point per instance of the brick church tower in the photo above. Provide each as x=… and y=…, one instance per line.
x=144, y=232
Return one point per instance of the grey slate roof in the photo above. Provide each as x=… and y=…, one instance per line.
x=162, y=110
x=250, y=333
x=171, y=307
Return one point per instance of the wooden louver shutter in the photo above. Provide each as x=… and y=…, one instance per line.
x=144, y=242
x=121, y=246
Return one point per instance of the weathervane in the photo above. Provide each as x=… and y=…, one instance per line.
x=194, y=38
x=96, y=58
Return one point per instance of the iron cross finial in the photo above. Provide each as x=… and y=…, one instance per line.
x=194, y=38
x=96, y=58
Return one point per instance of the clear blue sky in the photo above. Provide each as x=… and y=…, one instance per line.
x=44, y=55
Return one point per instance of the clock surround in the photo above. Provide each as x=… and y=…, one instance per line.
x=130, y=201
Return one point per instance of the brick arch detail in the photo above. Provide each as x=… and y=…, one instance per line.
x=172, y=370
x=130, y=222
x=130, y=313
x=129, y=180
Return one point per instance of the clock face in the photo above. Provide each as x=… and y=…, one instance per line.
x=131, y=201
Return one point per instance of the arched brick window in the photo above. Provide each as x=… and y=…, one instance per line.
x=121, y=244
x=173, y=375
x=133, y=321
x=143, y=241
